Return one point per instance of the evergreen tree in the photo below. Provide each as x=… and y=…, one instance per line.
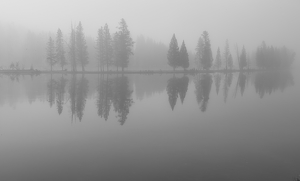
x=173, y=53
x=226, y=54
x=117, y=59
x=51, y=53
x=107, y=47
x=218, y=62
x=100, y=49
x=243, y=59
x=207, y=59
x=126, y=44
x=81, y=47
x=72, y=50
x=199, y=52
x=184, y=57
x=60, y=51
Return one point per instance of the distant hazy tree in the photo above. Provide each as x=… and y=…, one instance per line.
x=226, y=54
x=173, y=53
x=107, y=47
x=60, y=51
x=218, y=62
x=207, y=59
x=117, y=59
x=100, y=49
x=230, y=61
x=51, y=53
x=199, y=52
x=72, y=50
x=12, y=66
x=243, y=59
x=184, y=57
x=81, y=47
x=126, y=44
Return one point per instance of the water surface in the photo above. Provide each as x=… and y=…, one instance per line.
x=235, y=126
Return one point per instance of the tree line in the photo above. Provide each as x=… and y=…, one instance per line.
x=112, y=50
x=266, y=57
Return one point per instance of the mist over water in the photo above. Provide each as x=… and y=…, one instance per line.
x=149, y=90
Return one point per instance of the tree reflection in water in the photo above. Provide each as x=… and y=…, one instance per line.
x=270, y=81
x=203, y=84
x=177, y=86
x=226, y=85
x=60, y=94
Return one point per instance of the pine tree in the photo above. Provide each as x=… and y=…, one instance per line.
x=126, y=44
x=207, y=59
x=243, y=59
x=81, y=47
x=226, y=54
x=184, y=57
x=51, y=53
x=173, y=53
x=107, y=47
x=117, y=59
x=100, y=49
x=199, y=52
x=72, y=50
x=60, y=51
x=218, y=62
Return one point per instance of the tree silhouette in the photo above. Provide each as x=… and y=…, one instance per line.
x=184, y=57
x=206, y=59
x=60, y=94
x=203, y=84
x=226, y=54
x=107, y=47
x=81, y=47
x=51, y=53
x=60, y=51
x=218, y=62
x=72, y=49
x=199, y=52
x=126, y=44
x=243, y=59
x=230, y=62
x=82, y=90
x=217, y=78
x=100, y=49
x=122, y=98
x=173, y=53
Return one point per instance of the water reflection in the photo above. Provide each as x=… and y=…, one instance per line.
x=268, y=82
x=116, y=90
x=226, y=85
x=203, y=84
x=177, y=86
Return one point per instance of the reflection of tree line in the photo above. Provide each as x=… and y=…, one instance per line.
x=114, y=91
x=264, y=82
x=111, y=91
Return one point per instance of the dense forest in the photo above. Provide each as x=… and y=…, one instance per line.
x=22, y=49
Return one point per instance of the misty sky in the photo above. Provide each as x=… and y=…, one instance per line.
x=245, y=22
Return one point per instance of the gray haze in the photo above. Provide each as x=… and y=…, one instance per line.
x=246, y=22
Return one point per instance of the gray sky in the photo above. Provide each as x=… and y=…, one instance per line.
x=245, y=22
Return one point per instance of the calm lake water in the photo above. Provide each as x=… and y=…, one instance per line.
x=237, y=126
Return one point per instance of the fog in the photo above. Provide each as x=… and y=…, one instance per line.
x=247, y=22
